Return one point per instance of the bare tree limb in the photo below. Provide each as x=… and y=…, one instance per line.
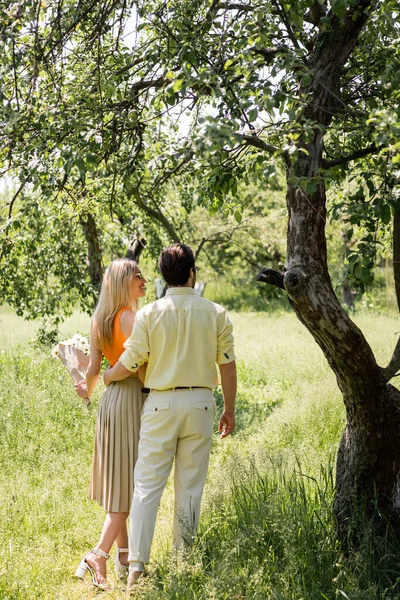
x=254, y=140
x=168, y=174
x=145, y=84
x=158, y=216
x=286, y=23
x=272, y=277
x=235, y=6
x=342, y=160
x=135, y=249
x=269, y=53
x=13, y=199
x=199, y=248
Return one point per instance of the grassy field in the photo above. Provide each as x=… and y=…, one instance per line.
x=266, y=531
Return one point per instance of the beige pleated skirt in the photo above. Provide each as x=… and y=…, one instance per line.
x=116, y=445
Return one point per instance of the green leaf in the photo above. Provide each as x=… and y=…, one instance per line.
x=311, y=187
x=252, y=115
x=358, y=272
x=306, y=79
x=238, y=216
x=386, y=214
x=178, y=83
x=228, y=63
x=339, y=7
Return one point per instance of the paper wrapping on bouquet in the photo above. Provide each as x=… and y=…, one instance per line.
x=76, y=363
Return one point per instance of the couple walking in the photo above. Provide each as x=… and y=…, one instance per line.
x=173, y=348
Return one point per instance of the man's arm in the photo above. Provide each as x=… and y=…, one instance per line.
x=229, y=383
x=135, y=355
x=116, y=373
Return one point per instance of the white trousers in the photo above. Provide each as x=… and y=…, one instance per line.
x=175, y=425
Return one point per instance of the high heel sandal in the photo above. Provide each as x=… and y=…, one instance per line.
x=84, y=567
x=120, y=569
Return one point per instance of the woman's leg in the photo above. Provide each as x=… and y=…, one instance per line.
x=122, y=542
x=113, y=524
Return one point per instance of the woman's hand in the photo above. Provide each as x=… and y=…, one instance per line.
x=81, y=389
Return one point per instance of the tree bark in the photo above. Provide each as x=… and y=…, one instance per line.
x=95, y=268
x=396, y=254
x=135, y=249
x=368, y=462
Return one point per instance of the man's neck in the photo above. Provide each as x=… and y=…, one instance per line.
x=189, y=284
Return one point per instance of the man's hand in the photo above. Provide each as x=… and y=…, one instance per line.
x=226, y=424
x=107, y=377
x=228, y=381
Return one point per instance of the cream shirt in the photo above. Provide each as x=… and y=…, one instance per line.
x=181, y=336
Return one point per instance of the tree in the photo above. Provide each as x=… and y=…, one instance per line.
x=296, y=82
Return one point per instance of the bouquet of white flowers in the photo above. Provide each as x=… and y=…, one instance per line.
x=74, y=355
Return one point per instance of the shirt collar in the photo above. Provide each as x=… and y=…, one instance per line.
x=180, y=291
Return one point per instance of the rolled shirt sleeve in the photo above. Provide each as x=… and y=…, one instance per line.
x=225, y=350
x=137, y=345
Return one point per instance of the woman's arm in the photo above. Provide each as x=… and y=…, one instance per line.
x=93, y=371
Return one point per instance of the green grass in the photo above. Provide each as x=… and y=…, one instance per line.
x=266, y=530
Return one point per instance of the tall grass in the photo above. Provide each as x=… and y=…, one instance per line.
x=267, y=529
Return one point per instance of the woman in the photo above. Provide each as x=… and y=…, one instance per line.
x=118, y=420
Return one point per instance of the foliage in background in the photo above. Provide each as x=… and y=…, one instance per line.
x=129, y=115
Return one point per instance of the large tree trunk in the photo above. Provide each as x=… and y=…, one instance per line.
x=368, y=463
x=396, y=254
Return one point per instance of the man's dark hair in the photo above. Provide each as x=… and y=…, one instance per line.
x=175, y=263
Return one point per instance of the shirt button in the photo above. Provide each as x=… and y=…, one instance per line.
x=206, y=407
x=156, y=409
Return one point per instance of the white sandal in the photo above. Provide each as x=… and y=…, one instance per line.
x=84, y=567
x=120, y=569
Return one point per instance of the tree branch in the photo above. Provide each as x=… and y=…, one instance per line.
x=13, y=199
x=394, y=364
x=158, y=216
x=345, y=159
x=145, y=84
x=235, y=6
x=199, y=248
x=254, y=140
x=286, y=22
x=269, y=53
x=168, y=174
x=95, y=255
x=272, y=277
x=135, y=249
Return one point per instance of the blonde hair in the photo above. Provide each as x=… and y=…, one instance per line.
x=115, y=293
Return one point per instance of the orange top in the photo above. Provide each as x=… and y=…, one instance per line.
x=113, y=352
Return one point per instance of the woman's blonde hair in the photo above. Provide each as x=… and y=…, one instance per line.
x=115, y=293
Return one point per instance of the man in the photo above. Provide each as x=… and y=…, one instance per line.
x=181, y=337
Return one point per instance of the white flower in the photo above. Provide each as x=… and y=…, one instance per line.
x=77, y=341
x=54, y=351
